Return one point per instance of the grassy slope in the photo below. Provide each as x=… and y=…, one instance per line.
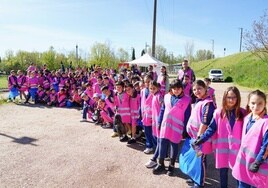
x=245, y=69
x=3, y=82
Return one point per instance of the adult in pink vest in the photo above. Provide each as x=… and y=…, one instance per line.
x=146, y=113
x=226, y=132
x=186, y=70
x=251, y=166
x=201, y=116
x=174, y=114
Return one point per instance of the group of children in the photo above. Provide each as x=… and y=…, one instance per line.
x=169, y=114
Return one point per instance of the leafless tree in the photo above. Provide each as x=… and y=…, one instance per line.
x=189, y=50
x=256, y=41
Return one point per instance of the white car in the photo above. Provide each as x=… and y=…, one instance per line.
x=215, y=75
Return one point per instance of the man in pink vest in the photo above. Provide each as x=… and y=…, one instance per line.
x=186, y=70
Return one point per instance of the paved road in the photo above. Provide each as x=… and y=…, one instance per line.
x=49, y=147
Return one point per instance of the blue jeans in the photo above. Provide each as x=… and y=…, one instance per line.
x=224, y=177
x=150, y=139
x=174, y=149
x=85, y=110
x=244, y=185
x=156, y=152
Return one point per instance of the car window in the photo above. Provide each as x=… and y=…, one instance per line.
x=216, y=71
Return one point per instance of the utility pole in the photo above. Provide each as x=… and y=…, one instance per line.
x=154, y=28
x=241, y=36
x=76, y=54
x=212, y=40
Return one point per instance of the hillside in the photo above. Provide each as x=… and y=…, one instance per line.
x=244, y=69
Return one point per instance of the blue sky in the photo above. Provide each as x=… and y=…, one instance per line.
x=35, y=25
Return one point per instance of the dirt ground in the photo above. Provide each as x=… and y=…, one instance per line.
x=49, y=147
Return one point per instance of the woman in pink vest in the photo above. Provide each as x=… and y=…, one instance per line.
x=121, y=101
x=226, y=129
x=163, y=80
x=174, y=116
x=199, y=120
x=251, y=166
x=157, y=102
x=135, y=102
x=146, y=113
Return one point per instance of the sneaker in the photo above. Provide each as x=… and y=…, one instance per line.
x=131, y=141
x=159, y=169
x=189, y=181
x=124, y=139
x=170, y=171
x=151, y=164
x=148, y=150
x=83, y=120
x=115, y=134
x=108, y=125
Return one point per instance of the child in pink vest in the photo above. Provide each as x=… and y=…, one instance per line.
x=122, y=105
x=157, y=102
x=106, y=114
x=251, y=166
x=13, y=85
x=146, y=113
x=174, y=116
x=163, y=80
x=32, y=85
x=211, y=91
x=201, y=116
x=135, y=102
x=53, y=100
x=226, y=129
x=22, y=82
x=62, y=97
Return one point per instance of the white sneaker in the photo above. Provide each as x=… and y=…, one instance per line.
x=148, y=150
x=83, y=120
x=150, y=164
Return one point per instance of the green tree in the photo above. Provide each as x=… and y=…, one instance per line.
x=203, y=55
x=122, y=55
x=102, y=55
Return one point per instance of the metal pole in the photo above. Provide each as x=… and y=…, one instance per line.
x=241, y=36
x=154, y=28
x=212, y=48
x=76, y=53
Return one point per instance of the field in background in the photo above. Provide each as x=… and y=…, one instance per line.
x=243, y=68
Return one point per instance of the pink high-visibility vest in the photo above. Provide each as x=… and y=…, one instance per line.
x=162, y=82
x=146, y=108
x=187, y=89
x=173, y=121
x=123, y=107
x=22, y=82
x=135, y=109
x=226, y=141
x=249, y=149
x=11, y=81
x=156, y=106
x=33, y=82
x=194, y=123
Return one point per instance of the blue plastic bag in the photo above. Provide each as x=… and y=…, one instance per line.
x=190, y=164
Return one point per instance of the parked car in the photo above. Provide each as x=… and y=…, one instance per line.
x=216, y=75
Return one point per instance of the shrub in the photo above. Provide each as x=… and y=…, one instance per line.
x=228, y=79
